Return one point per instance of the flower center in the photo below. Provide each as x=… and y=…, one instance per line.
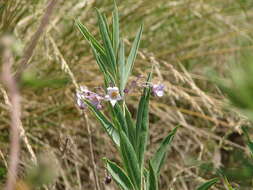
x=114, y=94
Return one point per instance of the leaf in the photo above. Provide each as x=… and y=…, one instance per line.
x=131, y=127
x=153, y=183
x=130, y=161
x=142, y=124
x=107, y=75
x=119, y=175
x=118, y=113
x=122, y=67
x=88, y=36
x=104, y=31
x=208, y=184
x=109, y=128
x=115, y=29
x=132, y=55
x=159, y=157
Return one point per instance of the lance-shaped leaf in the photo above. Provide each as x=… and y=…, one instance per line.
x=107, y=75
x=160, y=155
x=152, y=178
x=122, y=66
x=131, y=127
x=105, y=34
x=119, y=175
x=89, y=37
x=132, y=55
x=142, y=124
x=107, y=125
x=115, y=28
x=130, y=160
x=208, y=184
x=118, y=113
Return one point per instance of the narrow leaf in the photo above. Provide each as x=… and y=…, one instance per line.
x=120, y=118
x=132, y=55
x=107, y=125
x=208, y=184
x=88, y=36
x=115, y=29
x=153, y=183
x=142, y=124
x=122, y=67
x=130, y=160
x=107, y=41
x=131, y=127
x=159, y=157
x=119, y=175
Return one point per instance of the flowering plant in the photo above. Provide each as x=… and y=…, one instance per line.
x=129, y=135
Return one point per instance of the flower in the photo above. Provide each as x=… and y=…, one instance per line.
x=158, y=90
x=94, y=98
x=79, y=101
x=113, y=95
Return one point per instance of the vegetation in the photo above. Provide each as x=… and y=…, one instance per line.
x=192, y=47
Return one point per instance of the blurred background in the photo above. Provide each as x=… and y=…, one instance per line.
x=188, y=42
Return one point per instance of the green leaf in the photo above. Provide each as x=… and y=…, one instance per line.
x=119, y=175
x=152, y=178
x=159, y=157
x=208, y=184
x=115, y=29
x=132, y=55
x=118, y=113
x=104, y=31
x=88, y=36
x=142, y=124
x=107, y=75
x=130, y=161
x=109, y=128
x=131, y=126
x=122, y=67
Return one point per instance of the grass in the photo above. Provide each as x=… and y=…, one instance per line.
x=183, y=40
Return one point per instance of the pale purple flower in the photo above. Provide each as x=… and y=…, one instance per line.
x=113, y=95
x=79, y=101
x=94, y=98
x=158, y=90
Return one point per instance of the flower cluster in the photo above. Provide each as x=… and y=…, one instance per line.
x=113, y=95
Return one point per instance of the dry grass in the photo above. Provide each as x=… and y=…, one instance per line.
x=182, y=39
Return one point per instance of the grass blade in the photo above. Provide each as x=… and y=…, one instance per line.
x=119, y=175
x=159, y=157
x=208, y=184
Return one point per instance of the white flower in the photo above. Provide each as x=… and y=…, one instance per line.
x=113, y=95
x=158, y=90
